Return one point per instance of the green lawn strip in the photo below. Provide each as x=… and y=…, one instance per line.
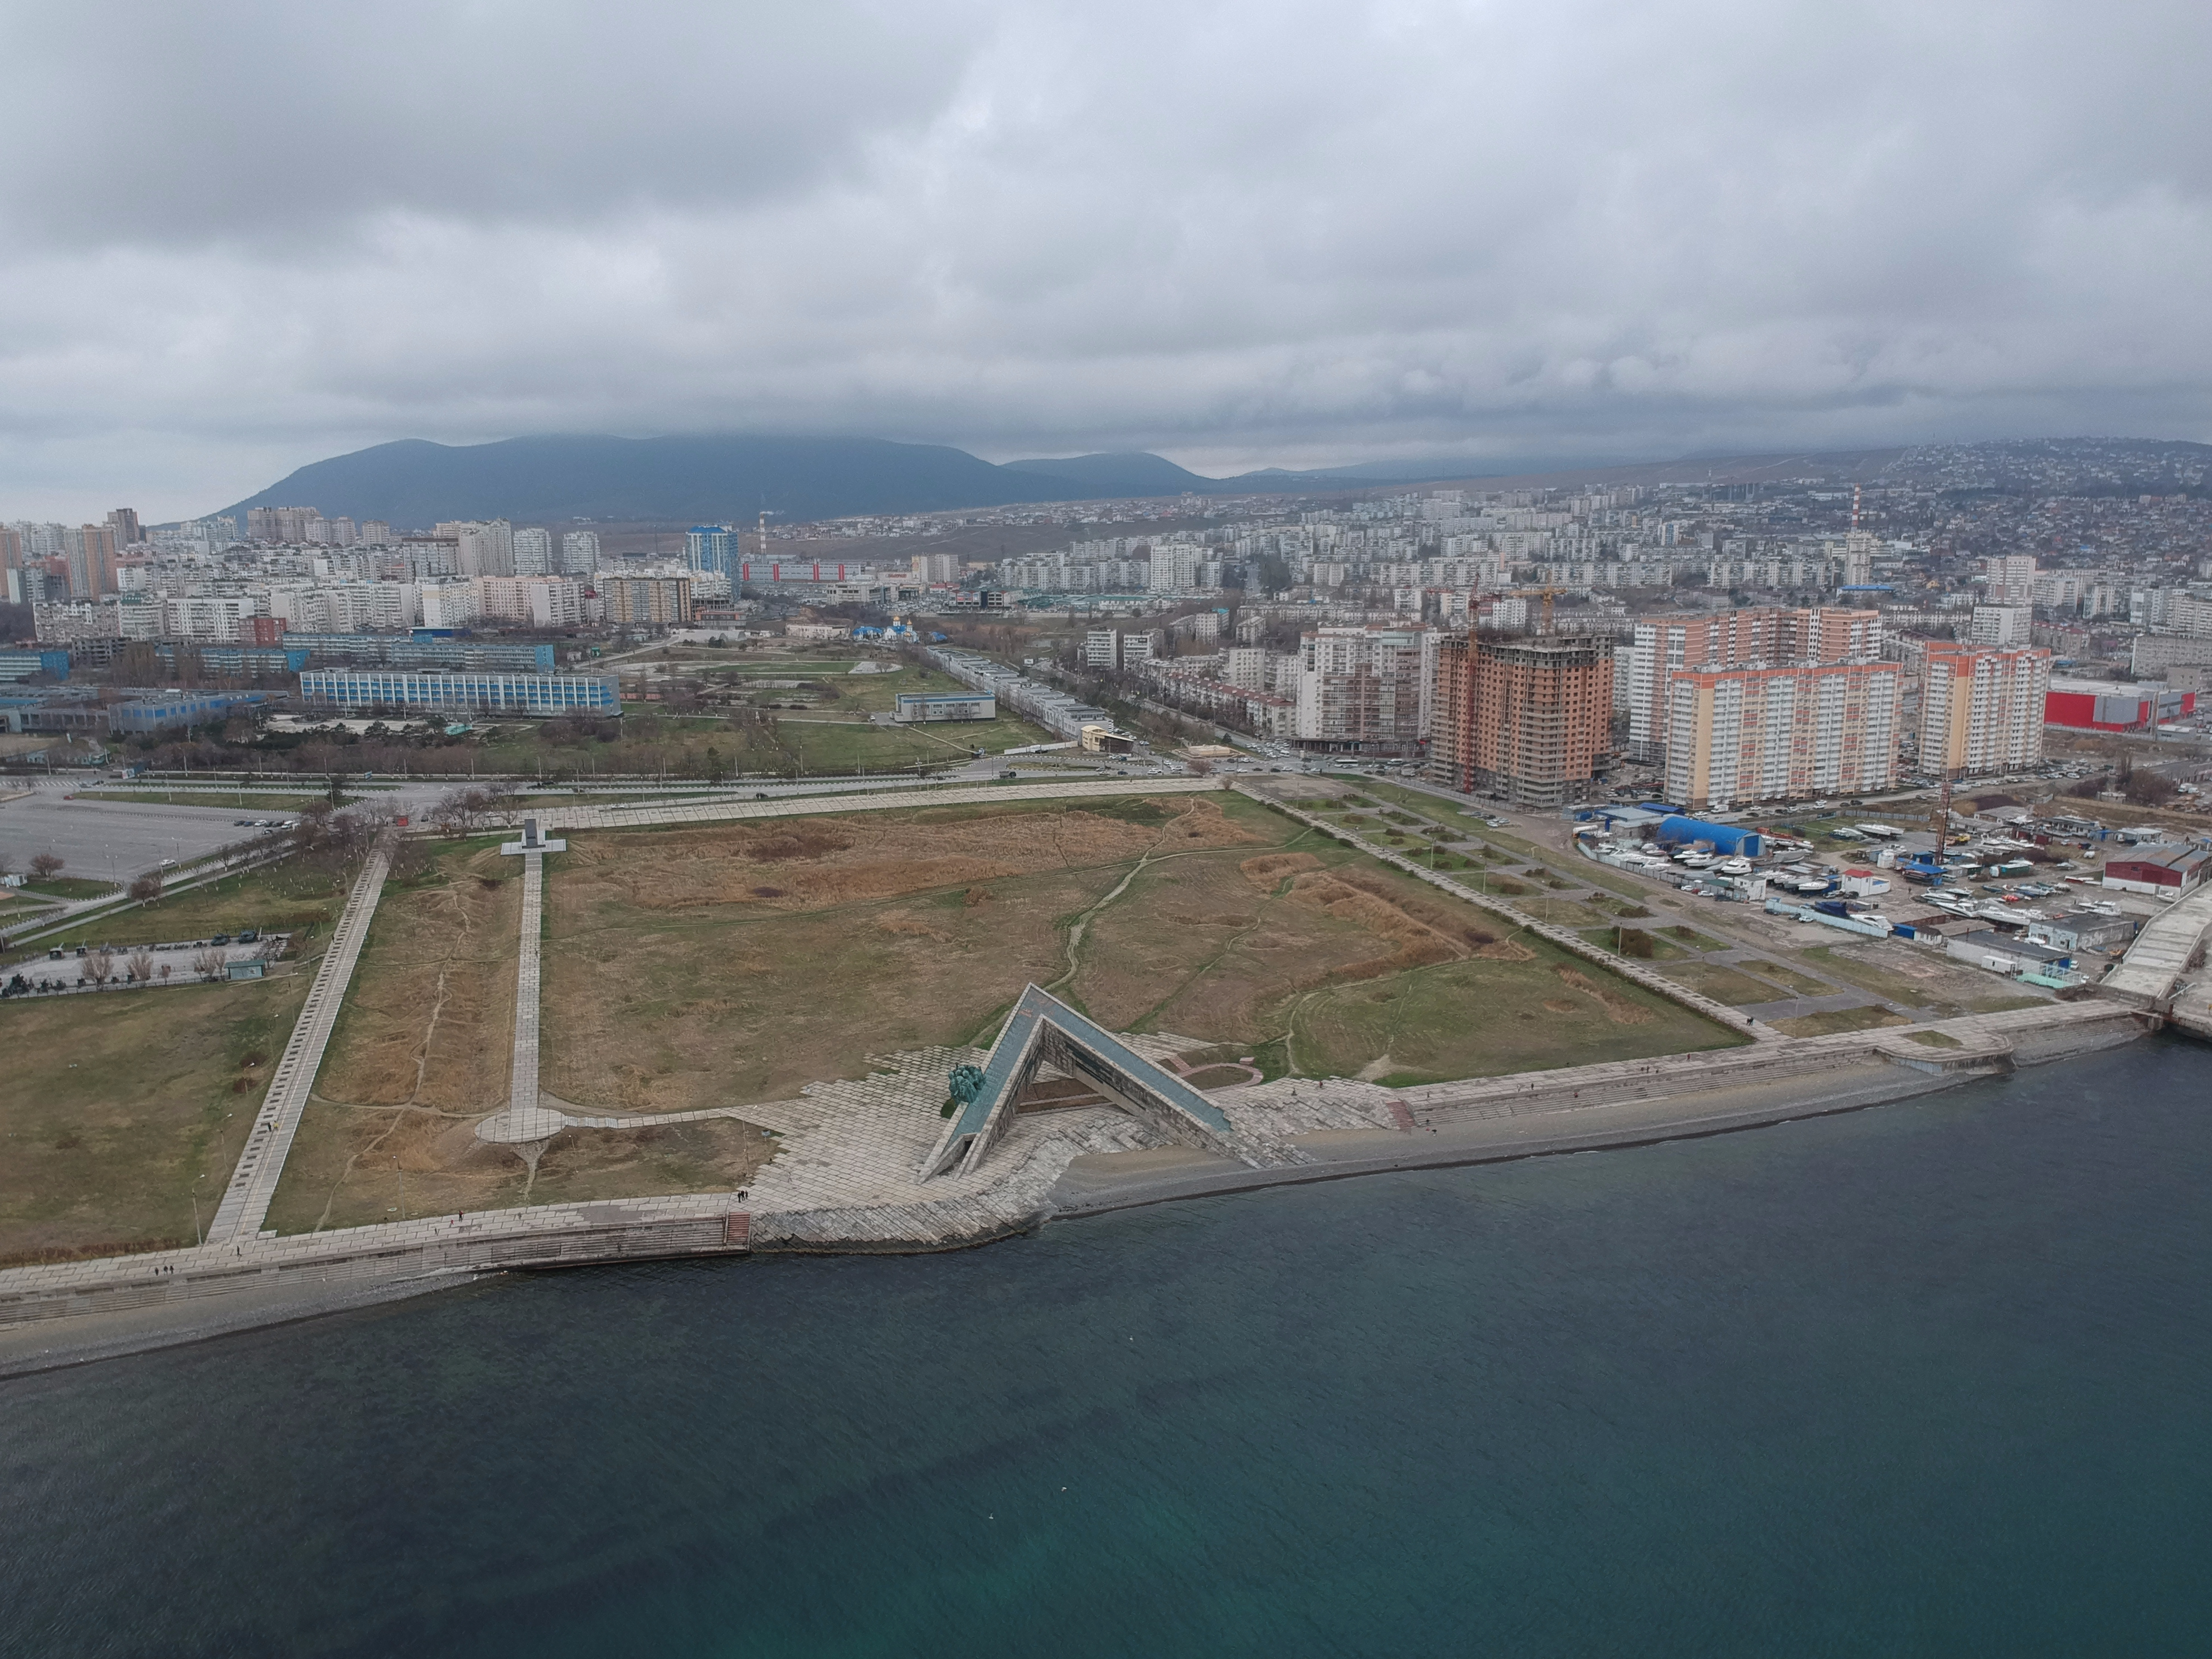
x=1724, y=984
x=1692, y=939
x=70, y=887
x=121, y=1107
x=1897, y=987
x=1662, y=949
x=290, y=897
x=1789, y=979
x=1867, y=1018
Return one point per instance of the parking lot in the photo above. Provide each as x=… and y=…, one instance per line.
x=111, y=840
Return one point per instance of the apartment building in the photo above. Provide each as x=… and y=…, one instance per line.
x=1366, y=690
x=1982, y=708
x=1525, y=717
x=647, y=601
x=1756, y=734
x=2009, y=580
x=2001, y=624
x=532, y=601
x=485, y=546
x=579, y=552
x=1753, y=635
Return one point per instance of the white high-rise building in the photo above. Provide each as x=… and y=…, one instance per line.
x=1365, y=688
x=579, y=552
x=486, y=548
x=533, y=553
x=2001, y=624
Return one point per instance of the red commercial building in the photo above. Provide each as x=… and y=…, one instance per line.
x=2111, y=705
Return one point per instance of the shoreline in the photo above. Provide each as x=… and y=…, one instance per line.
x=86, y=1313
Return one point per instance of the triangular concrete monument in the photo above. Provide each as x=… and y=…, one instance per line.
x=1042, y=1030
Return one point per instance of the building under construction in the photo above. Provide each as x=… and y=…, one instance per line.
x=1523, y=716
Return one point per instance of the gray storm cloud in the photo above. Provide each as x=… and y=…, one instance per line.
x=236, y=238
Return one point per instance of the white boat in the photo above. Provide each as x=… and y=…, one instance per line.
x=1732, y=867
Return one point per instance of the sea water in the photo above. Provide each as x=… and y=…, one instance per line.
x=1931, y=1378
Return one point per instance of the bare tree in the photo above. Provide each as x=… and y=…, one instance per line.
x=46, y=866
x=141, y=966
x=164, y=971
x=100, y=965
x=146, y=888
x=207, y=964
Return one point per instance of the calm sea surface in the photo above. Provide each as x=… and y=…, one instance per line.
x=1935, y=1378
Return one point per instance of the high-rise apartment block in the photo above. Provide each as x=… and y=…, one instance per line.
x=124, y=521
x=287, y=525
x=1366, y=690
x=1765, y=636
x=533, y=553
x=647, y=601
x=1751, y=734
x=1981, y=707
x=1526, y=717
x=2003, y=624
x=90, y=551
x=486, y=547
x=712, y=547
x=2009, y=580
x=579, y=552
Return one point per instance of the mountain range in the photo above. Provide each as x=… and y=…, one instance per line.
x=718, y=479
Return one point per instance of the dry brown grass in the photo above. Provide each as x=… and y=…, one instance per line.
x=1266, y=873
x=352, y=1166
x=430, y=1020
x=805, y=863
x=741, y=961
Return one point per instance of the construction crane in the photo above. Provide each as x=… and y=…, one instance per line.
x=1545, y=594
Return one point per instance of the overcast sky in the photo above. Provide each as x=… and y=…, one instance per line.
x=239, y=236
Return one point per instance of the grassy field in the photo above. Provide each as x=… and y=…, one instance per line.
x=1736, y=987
x=69, y=887
x=1867, y=1018
x=1919, y=978
x=119, y=1109
x=350, y=1168
x=706, y=966
x=429, y=1021
x=291, y=896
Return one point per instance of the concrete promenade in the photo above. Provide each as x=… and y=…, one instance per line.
x=2152, y=970
x=522, y=1076
x=1565, y=939
x=253, y=1183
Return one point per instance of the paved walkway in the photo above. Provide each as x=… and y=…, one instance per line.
x=253, y=1183
x=522, y=1078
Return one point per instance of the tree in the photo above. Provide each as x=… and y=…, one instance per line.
x=100, y=965
x=46, y=866
x=147, y=888
x=2150, y=789
x=141, y=966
